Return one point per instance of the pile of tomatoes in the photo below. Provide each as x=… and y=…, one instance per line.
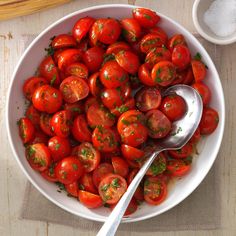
x=97, y=101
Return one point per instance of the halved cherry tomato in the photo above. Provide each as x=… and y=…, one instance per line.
x=209, y=121
x=69, y=170
x=38, y=156
x=89, y=102
x=94, y=32
x=155, y=190
x=188, y=78
x=77, y=69
x=75, y=109
x=49, y=174
x=199, y=70
x=63, y=41
x=95, y=85
x=86, y=183
x=148, y=99
x=26, y=129
x=72, y=189
x=39, y=137
x=33, y=114
x=158, y=124
x=74, y=89
x=88, y=156
x=177, y=39
x=120, y=166
x=145, y=17
x=90, y=200
x=204, y=92
x=45, y=124
x=184, y=152
x=158, y=166
x=160, y=31
x=181, y=56
x=117, y=47
x=59, y=147
x=177, y=168
x=128, y=105
x=131, y=153
x=173, y=106
x=131, y=29
x=111, y=188
x=144, y=74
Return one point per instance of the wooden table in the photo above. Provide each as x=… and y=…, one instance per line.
x=13, y=36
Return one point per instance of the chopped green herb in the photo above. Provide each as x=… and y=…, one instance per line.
x=81, y=187
x=105, y=187
x=60, y=185
x=122, y=109
x=125, y=122
x=147, y=16
x=108, y=57
x=54, y=77
x=115, y=183
x=75, y=166
x=198, y=56
x=31, y=150
x=57, y=146
x=54, y=95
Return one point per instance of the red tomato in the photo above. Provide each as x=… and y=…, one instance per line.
x=49, y=174
x=38, y=156
x=128, y=61
x=120, y=166
x=160, y=31
x=204, y=92
x=90, y=200
x=94, y=32
x=145, y=17
x=144, y=75
x=158, y=124
x=163, y=73
x=74, y=89
x=128, y=105
x=131, y=153
x=69, y=170
x=111, y=188
x=75, y=109
x=131, y=29
x=26, y=129
x=89, y=102
x=59, y=147
x=86, y=183
x=88, y=156
x=72, y=189
x=196, y=137
x=80, y=129
x=98, y=115
x=77, y=69
x=93, y=58
x=39, y=137
x=173, y=106
x=188, y=78
x=209, y=121
x=158, y=166
x=148, y=99
x=155, y=191
x=47, y=99
x=177, y=39
x=104, y=139
x=112, y=75
x=67, y=57
x=45, y=124
x=117, y=47
x=81, y=27
x=199, y=70
x=49, y=71
x=112, y=98
x=33, y=114
x=95, y=85
x=61, y=123
x=63, y=41
x=99, y=173
x=31, y=84
x=177, y=168
x=184, y=152
x=181, y=56
x=134, y=134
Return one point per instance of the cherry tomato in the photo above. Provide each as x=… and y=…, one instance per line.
x=155, y=190
x=131, y=153
x=77, y=69
x=47, y=99
x=90, y=200
x=39, y=137
x=63, y=41
x=144, y=75
x=95, y=85
x=181, y=56
x=148, y=99
x=45, y=124
x=204, y=92
x=158, y=124
x=59, y=147
x=160, y=31
x=111, y=188
x=158, y=166
x=117, y=47
x=89, y=102
x=196, y=137
x=26, y=129
x=173, y=106
x=33, y=114
x=145, y=17
x=128, y=105
x=188, y=78
x=177, y=39
x=75, y=109
x=88, y=156
x=74, y=89
x=86, y=183
x=199, y=70
x=120, y=166
x=69, y=170
x=184, y=152
x=72, y=189
x=49, y=174
x=112, y=75
x=104, y=139
x=209, y=121
x=177, y=168
x=38, y=156
x=31, y=84
x=163, y=73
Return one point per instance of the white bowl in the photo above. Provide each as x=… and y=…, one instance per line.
x=16, y=107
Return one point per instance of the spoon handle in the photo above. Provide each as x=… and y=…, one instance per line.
x=112, y=222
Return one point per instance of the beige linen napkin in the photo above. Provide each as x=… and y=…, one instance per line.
x=201, y=210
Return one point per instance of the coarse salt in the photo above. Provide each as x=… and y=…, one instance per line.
x=221, y=17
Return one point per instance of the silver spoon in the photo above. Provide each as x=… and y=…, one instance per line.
x=182, y=131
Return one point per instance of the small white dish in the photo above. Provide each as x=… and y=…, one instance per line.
x=199, y=8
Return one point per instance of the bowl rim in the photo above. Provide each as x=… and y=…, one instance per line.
x=102, y=218
x=225, y=41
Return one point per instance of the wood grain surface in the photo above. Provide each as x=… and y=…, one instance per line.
x=13, y=35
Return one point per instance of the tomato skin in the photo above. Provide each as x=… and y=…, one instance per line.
x=47, y=99
x=145, y=17
x=74, y=89
x=189, y=78
x=95, y=85
x=196, y=137
x=111, y=98
x=209, y=121
x=112, y=75
x=33, y=114
x=181, y=56
x=45, y=124
x=77, y=69
x=93, y=58
x=117, y=47
x=204, y=92
x=72, y=189
x=49, y=71
x=26, y=129
x=31, y=84
x=38, y=156
x=177, y=39
x=158, y=166
x=182, y=153
x=173, y=106
x=49, y=174
x=158, y=30
x=131, y=153
x=75, y=109
x=89, y=102
x=86, y=183
x=69, y=170
x=39, y=137
x=111, y=188
x=144, y=74
x=82, y=27
x=199, y=70
x=128, y=105
x=177, y=168
x=120, y=166
x=59, y=147
x=90, y=200
x=63, y=41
